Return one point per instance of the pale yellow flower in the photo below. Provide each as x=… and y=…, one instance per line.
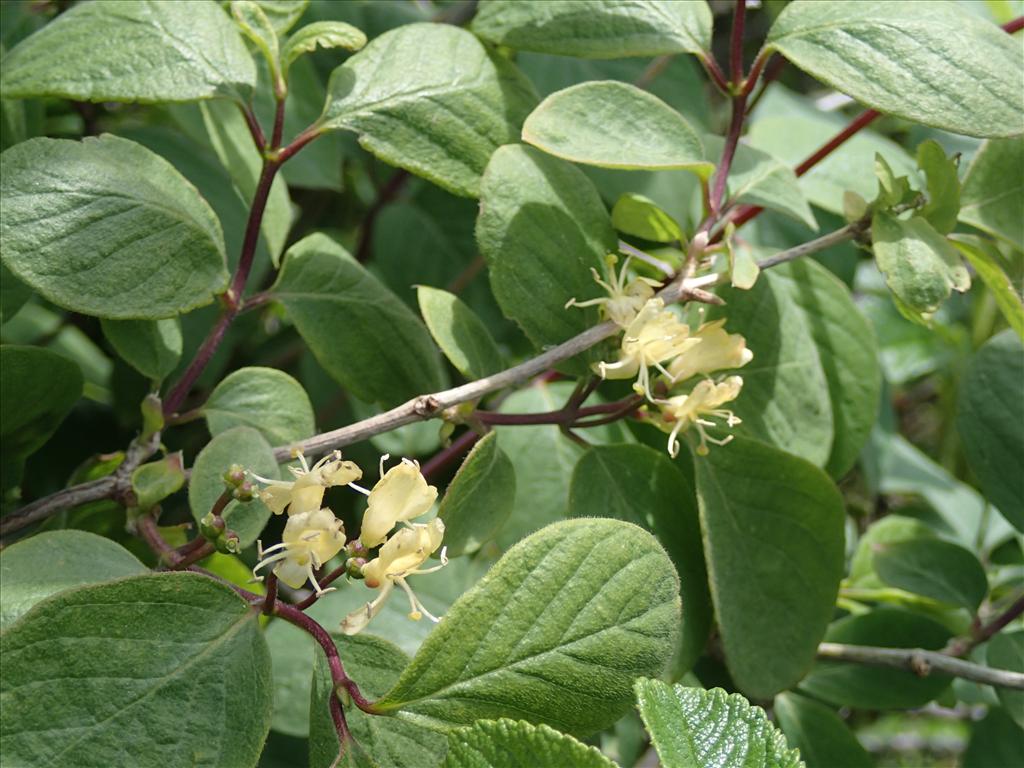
x=654, y=337
x=400, y=495
x=309, y=540
x=400, y=557
x=306, y=492
x=624, y=299
x=717, y=351
x=698, y=409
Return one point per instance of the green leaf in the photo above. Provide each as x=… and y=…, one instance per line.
x=642, y=486
x=131, y=671
x=265, y=399
x=390, y=742
x=542, y=228
x=359, y=331
x=323, y=34
x=920, y=266
x=152, y=347
x=995, y=742
x=594, y=29
x=785, y=397
x=990, y=412
x=54, y=561
x=1006, y=651
x=933, y=63
x=640, y=216
x=257, y=27
x=743, y=268
x=943, y=186
x=985, y=258
x=283, y=14
x=694, y=728
x=757, y=178
x=154, y=482
x=773, y=539
x=239, y=445
x=615, y=125
x=125, y=235
x=459, y=333
x=937, y=569
x=40, y=388
x=13, y=294
x=133, y=50
x=821, y=736
x=416, y=93
x=993, y=191
x=556, y=632
x=890, y=529
x=845, y=684
x=848, y=353
x=479, y=499
x=518, y=744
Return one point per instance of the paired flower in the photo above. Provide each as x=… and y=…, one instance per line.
x=309, y=540
x=698, y=409
x=306, y=492
x=716, y=351
x=400, y=495
x=624, y=299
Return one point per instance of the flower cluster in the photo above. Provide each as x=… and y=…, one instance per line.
x=655, y=338
x=313, y=535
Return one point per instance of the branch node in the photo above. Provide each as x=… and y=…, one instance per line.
x=426, y=406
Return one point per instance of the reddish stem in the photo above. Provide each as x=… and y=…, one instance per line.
x=1014, y=26
x=446, y=456
x=386, y=194
x=254, y=128
x=275, y=138
x=771, y=74
x=714, y=72
x=323, y=581
x=298, y=143
x=270, y=599
x=736, y=49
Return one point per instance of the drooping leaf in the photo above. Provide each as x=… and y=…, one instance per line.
x=640, y=216
x=1006, y=651
x=159, y=670
x=542, y=227
x=880, y=54
x=255, y=25
x=459, y=333
x=821, y=736
x=937, y=569
x=556, y=632
x=125, y=236
x=846, y=684
x=986, y=260
x=133, y=50
x=595, y=29
x=518, y=744
x=40, y=388
x=359, y=331
x=615, y=125
x=53, y=561
x=152, y=347
x=642, y=486
x=943, y=186
x=479, y=499
x=238, y=445
x=773, y=533
x=268, y=400
x=993, y=190
x=322, y=34
x=990, y=412
x=430, y=99
x=693, y=728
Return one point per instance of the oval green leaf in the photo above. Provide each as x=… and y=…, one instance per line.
x=937, y=569
x=152, y=347
x=819, y=733
x=459, y=333
x=518, y=744
x=322, y=34
x=993, y=190
x=266, y=399
x=1006, y=651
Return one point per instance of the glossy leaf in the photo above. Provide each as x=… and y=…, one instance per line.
x=642, y=486
x=268, y=400
x=461, y=335
x=615, y=125
x=518, y=744
x=360, y=332
x=988, y=420
x=821, y=736
x=693, y=728
x=937, y=569
x=880, y=54
x=479, y=499
x=133, y=671
x=542, y=228
x=993, y=190
x=238, y=445
x=133, y=50
x=125, y=236
x=416, y=92
x=640, y=216
x=152, y=347
x=556, y=632
x=321, y=34
x=72, y=559
x=773, y=533
x=595, y=29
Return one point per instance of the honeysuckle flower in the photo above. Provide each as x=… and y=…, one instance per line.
x=309, y=540
x=654, y=337
x=306, y=492
x=717, y=351
x=400, y=557
x=624, y=299
x=698, y=409
x=400, y=495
